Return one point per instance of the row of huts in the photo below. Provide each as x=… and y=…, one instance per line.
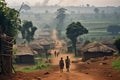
x=40, y=46
x=25, y=53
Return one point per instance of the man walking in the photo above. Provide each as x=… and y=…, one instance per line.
x=67, y=61
x=61, y=64
x=55, y=53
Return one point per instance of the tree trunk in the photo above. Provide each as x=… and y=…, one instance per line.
x=46, y=53
x=74, y=46
x=6, y=55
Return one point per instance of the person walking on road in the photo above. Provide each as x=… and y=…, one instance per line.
x=58, y=54
x=55, y=53
x=67, y=61
x=61, y=64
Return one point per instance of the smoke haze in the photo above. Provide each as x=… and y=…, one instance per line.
x=67, y=2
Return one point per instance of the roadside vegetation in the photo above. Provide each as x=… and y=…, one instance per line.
x=116, y=64
x=39, y=65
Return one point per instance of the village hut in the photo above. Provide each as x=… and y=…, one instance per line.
x=78, y=49
x=47, y=46
x=109, y=42
x=45, y=35
x=69, y=49
x=96, y=49
x=35, y=46
x=46, y=28
x=45, y=43
x=24, y=55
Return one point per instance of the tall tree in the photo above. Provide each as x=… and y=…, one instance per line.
x=73, y=31
x=103, y=14
x=96, y=10
x=60, y=20
x=114, y=29
x=26, y=7
x=117, y=44
x=28, y=30
x=9, y=23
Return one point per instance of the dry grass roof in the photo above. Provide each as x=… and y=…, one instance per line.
x=97, y=47
x=36, y=45
x=24, y=50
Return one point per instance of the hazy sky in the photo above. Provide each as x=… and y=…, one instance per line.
x=66, y=2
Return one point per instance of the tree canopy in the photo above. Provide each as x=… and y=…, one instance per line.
x=74, y=30
x=60, y=20
x=114, y=29
x=117, y=44
x=26, y=7
x=28, y=30
x=9, y=21
x=96, y=10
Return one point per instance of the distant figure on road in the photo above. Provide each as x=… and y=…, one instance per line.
x=55, y=53
x=67, y=61
x=61, y=64
x=58, y=54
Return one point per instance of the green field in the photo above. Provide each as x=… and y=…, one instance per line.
x=97, y=29
x=97, y=26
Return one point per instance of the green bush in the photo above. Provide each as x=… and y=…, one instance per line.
x=117, y=44
x=26, y=68
x=116, y=64
x=41, y=66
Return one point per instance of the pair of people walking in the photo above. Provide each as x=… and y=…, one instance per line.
x=67, y=62
x=56, y=54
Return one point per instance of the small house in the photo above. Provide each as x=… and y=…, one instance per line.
x=38, y=48
x=24, y=55
x=96, y=49
x=69, y=49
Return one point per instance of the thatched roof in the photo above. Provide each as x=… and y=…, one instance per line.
x=36, y=45
x=24, y=50
x=96, y=47
x=45, y=34
x=44, y=42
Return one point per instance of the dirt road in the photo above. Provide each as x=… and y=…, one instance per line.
x=73, y=74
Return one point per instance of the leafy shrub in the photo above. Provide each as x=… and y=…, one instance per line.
x=116, y=64
x=117, y=44
x=41, y=66
x=26, y=68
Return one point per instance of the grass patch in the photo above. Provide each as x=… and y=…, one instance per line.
x=116, y=64
x=39, y=65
